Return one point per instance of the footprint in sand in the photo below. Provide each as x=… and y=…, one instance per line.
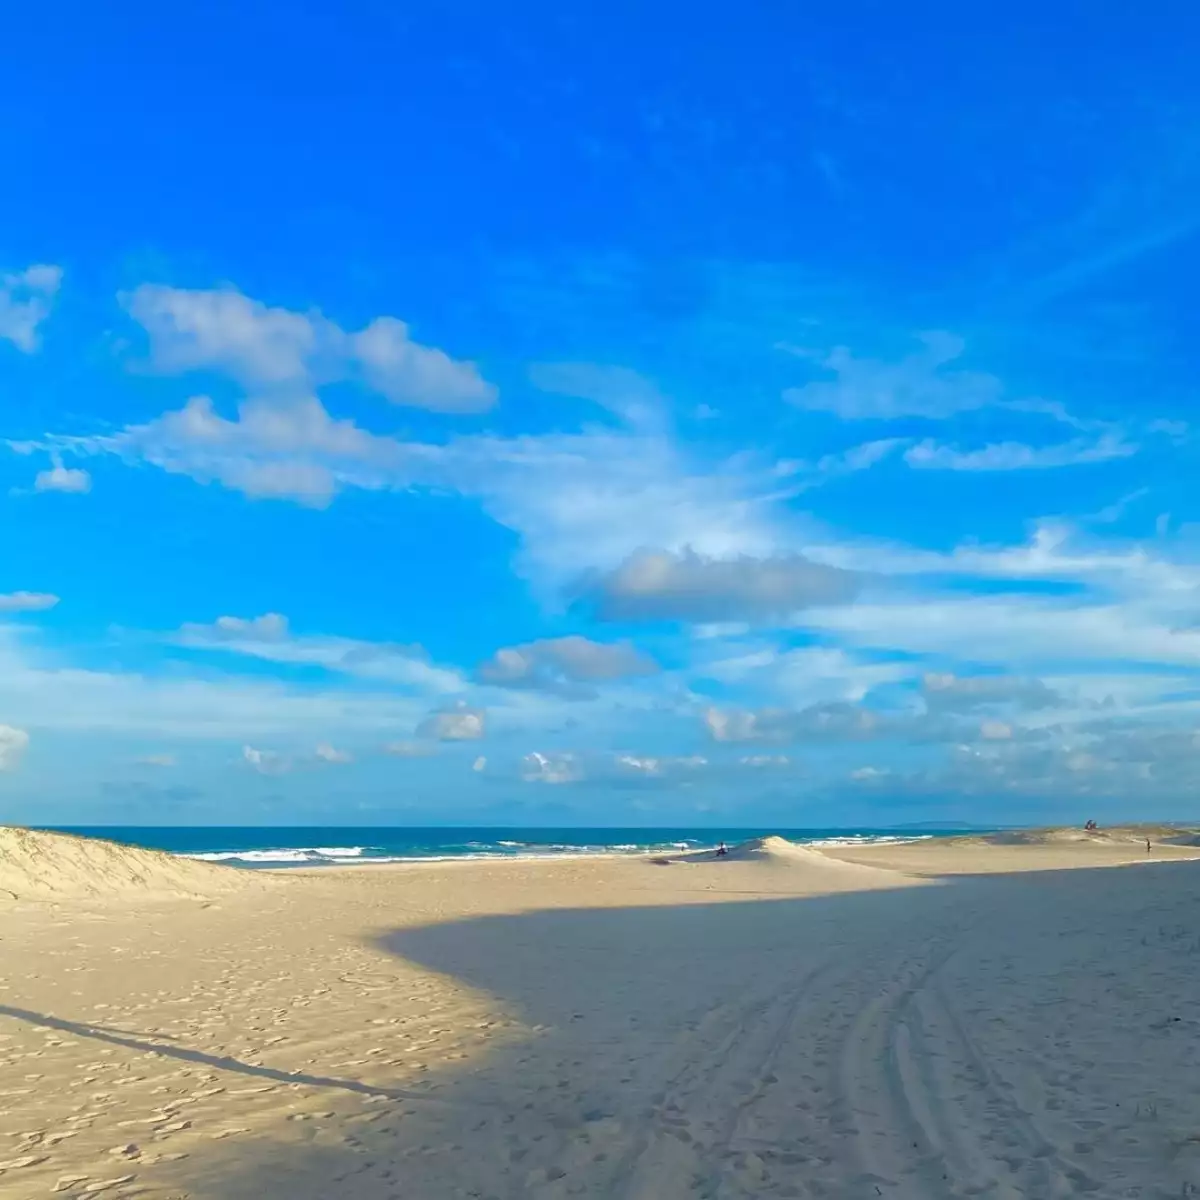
x=26, y=1160
x=102, y=1185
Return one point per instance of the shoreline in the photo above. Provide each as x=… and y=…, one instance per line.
x=317, y=846
x=1122, y=845
x=273, y=854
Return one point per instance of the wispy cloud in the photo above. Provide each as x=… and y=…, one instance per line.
x=577, y=501
x=923, y=384
x=52, y=694
x=929, y=455
x=270, y=638
x=15, y=602
x=13, y=744
x=625, y=393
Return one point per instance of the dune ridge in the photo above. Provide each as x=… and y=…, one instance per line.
x=1114, y=835
x=778, y=854
x=35, y=864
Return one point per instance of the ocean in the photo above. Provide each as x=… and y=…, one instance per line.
x=316, y=846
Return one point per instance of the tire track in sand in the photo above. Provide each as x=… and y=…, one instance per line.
x=685, y=1147
x=932, y=1117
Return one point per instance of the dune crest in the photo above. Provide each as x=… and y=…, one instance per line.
x=35, y=864
x=1110, y=835
x=776, y=852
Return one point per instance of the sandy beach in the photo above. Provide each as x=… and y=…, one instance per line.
x=936, y=1019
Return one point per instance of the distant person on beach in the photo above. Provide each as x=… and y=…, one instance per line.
x=721, y=850
x=1147, y=845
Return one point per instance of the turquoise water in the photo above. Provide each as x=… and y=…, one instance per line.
x=303, y=846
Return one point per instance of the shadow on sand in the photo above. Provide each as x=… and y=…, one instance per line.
x=718, y=1000
x=153, y=1044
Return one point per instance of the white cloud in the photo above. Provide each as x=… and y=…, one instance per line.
x=73, y=480
x=278, y=349
x=227, y=331
x=638, y=771
x=585, y=501
x=1106, y=759
x=327, y=753
x=271, y=762
x=422, y=376
x=265, y=762
x=995, y=731
x=287, y=450
x=820, y=722
x=26, y=601
x=1115, y=607
x=763, y=762
x=578, y=502
x=270, y=638
x=479, y=765
x=565, y=665
x=659, y=585
x=826, y=725
x=270, y=627
x=1055, y=552
x=1018, y=456
x=731, y=725
x=26, y=298
x=457, y=724
x=13, y=744
x=550, y=768
x=916, y=386
x=869, y=774
x=283, y=443
x=658, y=767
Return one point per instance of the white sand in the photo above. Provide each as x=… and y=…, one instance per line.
x=781, y=1024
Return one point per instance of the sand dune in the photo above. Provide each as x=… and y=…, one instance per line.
x=1023, y=850
x=1116, y=835
x=779, y=854
x=39, y=865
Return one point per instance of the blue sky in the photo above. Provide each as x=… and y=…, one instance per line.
x=610, y=415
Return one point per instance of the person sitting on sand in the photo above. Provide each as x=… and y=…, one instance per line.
x=721, y=850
